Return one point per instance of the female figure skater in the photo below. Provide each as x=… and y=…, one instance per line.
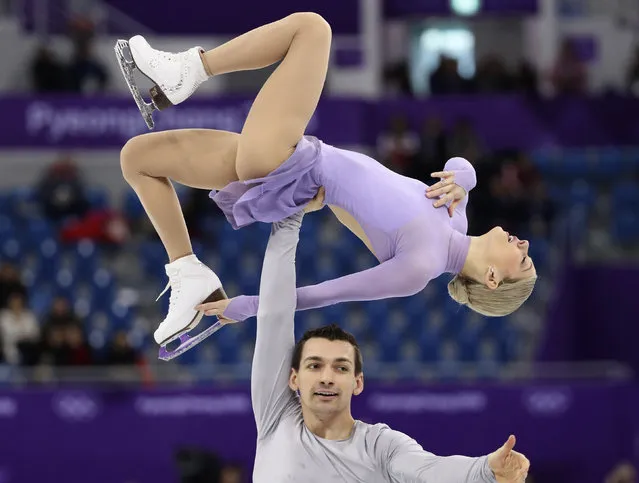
x=271, y=170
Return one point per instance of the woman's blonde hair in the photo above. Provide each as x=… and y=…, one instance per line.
x=504, y=300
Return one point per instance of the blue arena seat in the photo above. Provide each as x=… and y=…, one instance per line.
x=98, y=197
x=11, y=249
x=7, y=227
x=625, y=194
x=132, y=207
x=625, y=226
x=582, y=193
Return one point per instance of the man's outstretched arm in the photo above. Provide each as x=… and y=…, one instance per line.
x=275, y=326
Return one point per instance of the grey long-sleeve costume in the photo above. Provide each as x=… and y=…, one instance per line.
x=287, y=451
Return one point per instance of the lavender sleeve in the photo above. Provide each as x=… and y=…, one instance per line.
x=401, y=276
x=465, y=177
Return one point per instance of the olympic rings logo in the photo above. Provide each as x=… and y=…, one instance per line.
x=547, y=401
x=77, y=407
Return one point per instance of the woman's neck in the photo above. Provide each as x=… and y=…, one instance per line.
x=475, y=264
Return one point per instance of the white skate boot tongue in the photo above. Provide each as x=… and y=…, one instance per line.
x=172, y=271
x=174, y=284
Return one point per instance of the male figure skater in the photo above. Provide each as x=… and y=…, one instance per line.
x=301, y=395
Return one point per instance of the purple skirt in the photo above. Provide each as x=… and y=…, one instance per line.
x=282, y=193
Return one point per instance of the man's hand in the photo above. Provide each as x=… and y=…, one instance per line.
x=316, y=203
x=217, y=309
x=447, y=190
x=509, y=466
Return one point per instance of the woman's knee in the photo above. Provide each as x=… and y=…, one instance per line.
x=132, y=157
x=139, y=156
x=313, y=22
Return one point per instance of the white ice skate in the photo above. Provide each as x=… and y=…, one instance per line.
x=175, y=76
x=191, y=283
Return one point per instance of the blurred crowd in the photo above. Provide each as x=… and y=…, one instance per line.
x=510, y=189
x=76, y=213
x=196, y=465
x=568, y=75
x=60, y=338
x=82, y=72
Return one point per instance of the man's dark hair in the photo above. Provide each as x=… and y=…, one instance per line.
x=330, y=332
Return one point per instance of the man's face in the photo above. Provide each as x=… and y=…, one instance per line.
x=326, y=378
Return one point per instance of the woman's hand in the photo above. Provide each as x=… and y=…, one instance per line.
x=447, y=190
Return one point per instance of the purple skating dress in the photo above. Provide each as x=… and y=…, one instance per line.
x=413, y=241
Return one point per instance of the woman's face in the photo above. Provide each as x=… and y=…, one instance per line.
x=509, y=254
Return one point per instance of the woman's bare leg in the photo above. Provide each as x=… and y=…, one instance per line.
x=275, y=124
x=285, y=104
x=198, y=158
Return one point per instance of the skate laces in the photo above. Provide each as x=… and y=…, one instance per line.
x=160, y=56
x=183, y=63
x=175, y=284
x=170, y=56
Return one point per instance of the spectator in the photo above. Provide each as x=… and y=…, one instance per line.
x=492, y=76
x=432, y=150
x=464, y=141
x=60, y=315
x=397, y=79
x=78, y=351
x=197, y=465
x=48, y=73
x=86, y=73
x=398, y=145
x=526, y=79
x=61, y=192
x=231, y=473
x=445, y=79
x=540, y=203
x=66, y=346
x=510, y=199
x=20, y=332
x=81, y=30
x=10, y=283
x=569, y=74
x=120, y=352
x=59, y=318
x=55, y=351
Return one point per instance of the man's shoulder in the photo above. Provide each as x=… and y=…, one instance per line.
x=285, y=420
x=383, y=435
x=375, y=431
